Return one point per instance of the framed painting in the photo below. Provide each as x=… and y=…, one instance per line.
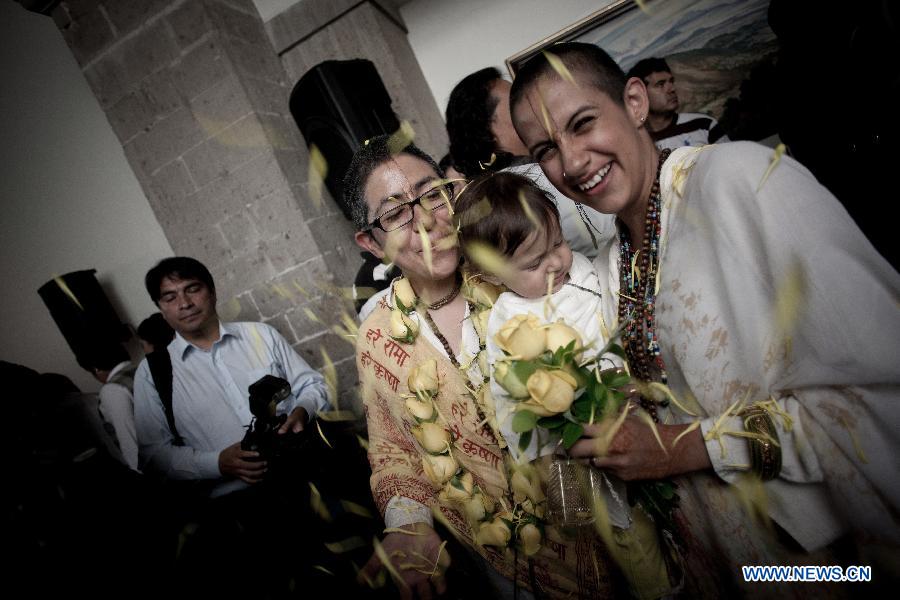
x=712, y=46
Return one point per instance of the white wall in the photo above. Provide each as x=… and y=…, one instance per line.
x=68, y=198
x=452, y=38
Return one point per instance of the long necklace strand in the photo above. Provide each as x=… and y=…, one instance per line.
x=637, y=297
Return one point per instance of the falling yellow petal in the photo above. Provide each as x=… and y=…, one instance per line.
x=332, y=416
x=474, y=213
x=401, y=138
x=545, y=117
x=322, y=435
x=386, y=561
x=689, y=429
x=752, y=494
x=402, y=530
x=484, y=165
x=489, y=259
x=258, y=345
x=648, y=421
x=604, y=440
x=671, y=396
x=318, y=171
x=323, y=569
x=317, y=504
x=330, y=374
x=790, y=296
x=559, y=66
x=529, y=214
x=356, y=509
x=282, y=291
x=776, y=158
x=426, y=248
x=229, y=311
x=301, y=289
x=351, y=543
x=363, y=442
x=67, y=291
x=311, y=315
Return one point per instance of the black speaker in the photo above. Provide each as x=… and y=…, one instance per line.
x=338, y=105
x=83, y=314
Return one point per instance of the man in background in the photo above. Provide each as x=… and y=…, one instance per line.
x=111, y=366
x=213, y=365
x=668, y=127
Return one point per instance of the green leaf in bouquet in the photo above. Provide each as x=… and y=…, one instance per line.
x=554, y=422
x=563, y=355
x=581, y=409
x=524, y=440
x=614, y=379
x=617, y=350
x=571, y=433
x=522, y=369
x=524, y=420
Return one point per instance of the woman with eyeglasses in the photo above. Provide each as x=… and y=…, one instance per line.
x=430, y=448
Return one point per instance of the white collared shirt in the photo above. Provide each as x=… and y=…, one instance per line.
x=210, y=398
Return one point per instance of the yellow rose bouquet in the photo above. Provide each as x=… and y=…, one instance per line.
x=554, y=388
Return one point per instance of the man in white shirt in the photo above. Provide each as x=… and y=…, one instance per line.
x=668, y=127
x=213, y=364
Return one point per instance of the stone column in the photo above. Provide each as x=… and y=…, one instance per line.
x=199, y=100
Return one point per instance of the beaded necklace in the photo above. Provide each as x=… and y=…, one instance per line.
x=637, y=294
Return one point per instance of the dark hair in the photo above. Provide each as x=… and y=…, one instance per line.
x=156, y=331
x=494, y=209
x=104, y=356
x=177, y=267
x=470, y=112
x=369, y=157
x=646, y=66
x=595, y=66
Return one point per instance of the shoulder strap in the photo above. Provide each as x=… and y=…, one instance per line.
x=161, y=370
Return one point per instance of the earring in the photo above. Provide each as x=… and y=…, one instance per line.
x=564, y=174
x=643, y=117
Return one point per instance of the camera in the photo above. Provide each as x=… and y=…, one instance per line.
x=262, y=435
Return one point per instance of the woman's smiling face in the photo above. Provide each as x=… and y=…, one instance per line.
x=592, y=148
x=402, y=179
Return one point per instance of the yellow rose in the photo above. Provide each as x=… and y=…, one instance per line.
x=403, y=328
x=560, y=335
x=460, y=489
x=478, y=507
x=423, y=380
x=531, y=508
x=433, y=437
x=480, y=322
x=494, y=533
x=523, y=337
x=422, y=410
x=526, y=484
x=506, y=377
x=404, y=293
x=439, y=469
x=530, y=536
x=552, y=390
x=483, y=293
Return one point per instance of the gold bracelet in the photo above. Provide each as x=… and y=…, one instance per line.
x=765, y=453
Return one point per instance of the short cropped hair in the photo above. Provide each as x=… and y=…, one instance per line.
x=156, y=331
x=593, y=64
x=470, y=112
x=646, y=66
x=369, y=157
x=500, y=210
x=176, y=267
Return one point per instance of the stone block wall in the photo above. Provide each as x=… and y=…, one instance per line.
x=198, y=98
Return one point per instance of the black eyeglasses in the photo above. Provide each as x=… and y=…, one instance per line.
x=401, y=215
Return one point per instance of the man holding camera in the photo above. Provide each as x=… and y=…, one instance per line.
x=190, y=427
